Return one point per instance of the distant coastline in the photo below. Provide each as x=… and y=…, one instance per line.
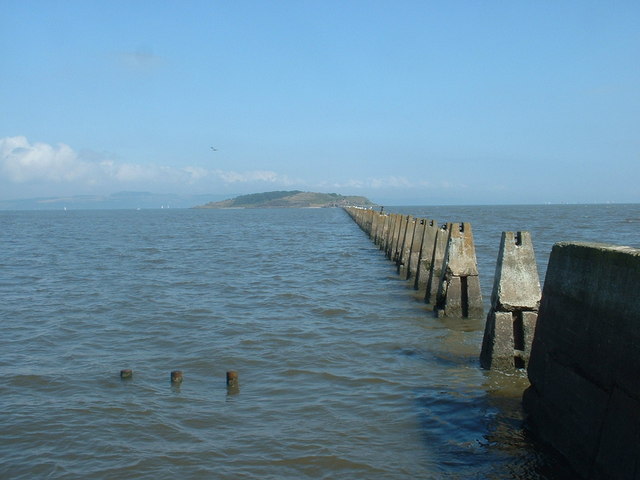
x=290, y=199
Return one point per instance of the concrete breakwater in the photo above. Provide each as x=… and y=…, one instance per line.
x=440, y=261
x=515, y=300
x=578, y=338
x=584, y=397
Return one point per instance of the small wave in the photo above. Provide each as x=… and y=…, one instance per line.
x=330, y=312
x=34, y=381
x=324, y=463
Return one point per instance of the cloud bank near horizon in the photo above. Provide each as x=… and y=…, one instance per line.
x=23, y=162
x=60, y=168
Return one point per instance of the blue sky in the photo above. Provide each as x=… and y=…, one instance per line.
x=406, y=102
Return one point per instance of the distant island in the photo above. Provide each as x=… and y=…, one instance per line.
x=290, y=199
x=113, y=201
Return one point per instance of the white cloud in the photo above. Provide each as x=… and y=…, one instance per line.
x=395, y=183
x=195, y=173
x=22, y=162
x=244, y=177
x=381, y=183
x=46, y=168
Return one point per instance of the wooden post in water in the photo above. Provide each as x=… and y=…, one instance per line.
x=233, y=385
x=232, y=379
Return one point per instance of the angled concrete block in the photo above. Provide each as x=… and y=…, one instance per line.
x=405, y=254
x=516, y=283
x=460, y=263
x=425, y=258
x=516, y=291
x=439, y=249
x=416, y=247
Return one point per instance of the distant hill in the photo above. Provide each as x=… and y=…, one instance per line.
x=120, y=200
x=289, y=199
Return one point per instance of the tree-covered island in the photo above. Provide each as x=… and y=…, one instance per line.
x=290, y=199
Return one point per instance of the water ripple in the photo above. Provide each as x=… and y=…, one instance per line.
x=342, y=372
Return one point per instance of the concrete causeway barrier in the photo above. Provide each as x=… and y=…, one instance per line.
x=579, y=339
x=405, y=253
x=425, y=257
x=584, y=398
x=415, y=248
x=446, y=271
x=439, y=250
x=514, y=305
x=391, y=233
x=459, y=286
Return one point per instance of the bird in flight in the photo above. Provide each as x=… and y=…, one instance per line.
x=214, y=149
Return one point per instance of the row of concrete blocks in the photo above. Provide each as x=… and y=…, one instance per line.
x=440, y=261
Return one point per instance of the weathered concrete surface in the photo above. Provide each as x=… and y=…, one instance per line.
x=425, y=258
x=516, y=283
x=405, y=253
x=394, y=226
x=383, y=231
x=439, y=250
x=399, y=241
x=506, y=344
x=514, y=305
x=416, y=248
x=367, y=220
x=459, y=288
x=375, y=220
x=584, y=398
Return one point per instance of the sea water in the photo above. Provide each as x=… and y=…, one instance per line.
x=343, y=372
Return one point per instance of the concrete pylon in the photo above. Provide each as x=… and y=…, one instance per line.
x=378, y=233
x=394, y=225
x=399, y=237
x=515, y=301
x=425, y=259
x=383, y=228
x=459, y=289
x=375, y=216
x=405, y=252
x=416, y=247
x=438, y=249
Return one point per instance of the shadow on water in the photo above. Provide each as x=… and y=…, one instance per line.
x=478, y=433
x=471, y=420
